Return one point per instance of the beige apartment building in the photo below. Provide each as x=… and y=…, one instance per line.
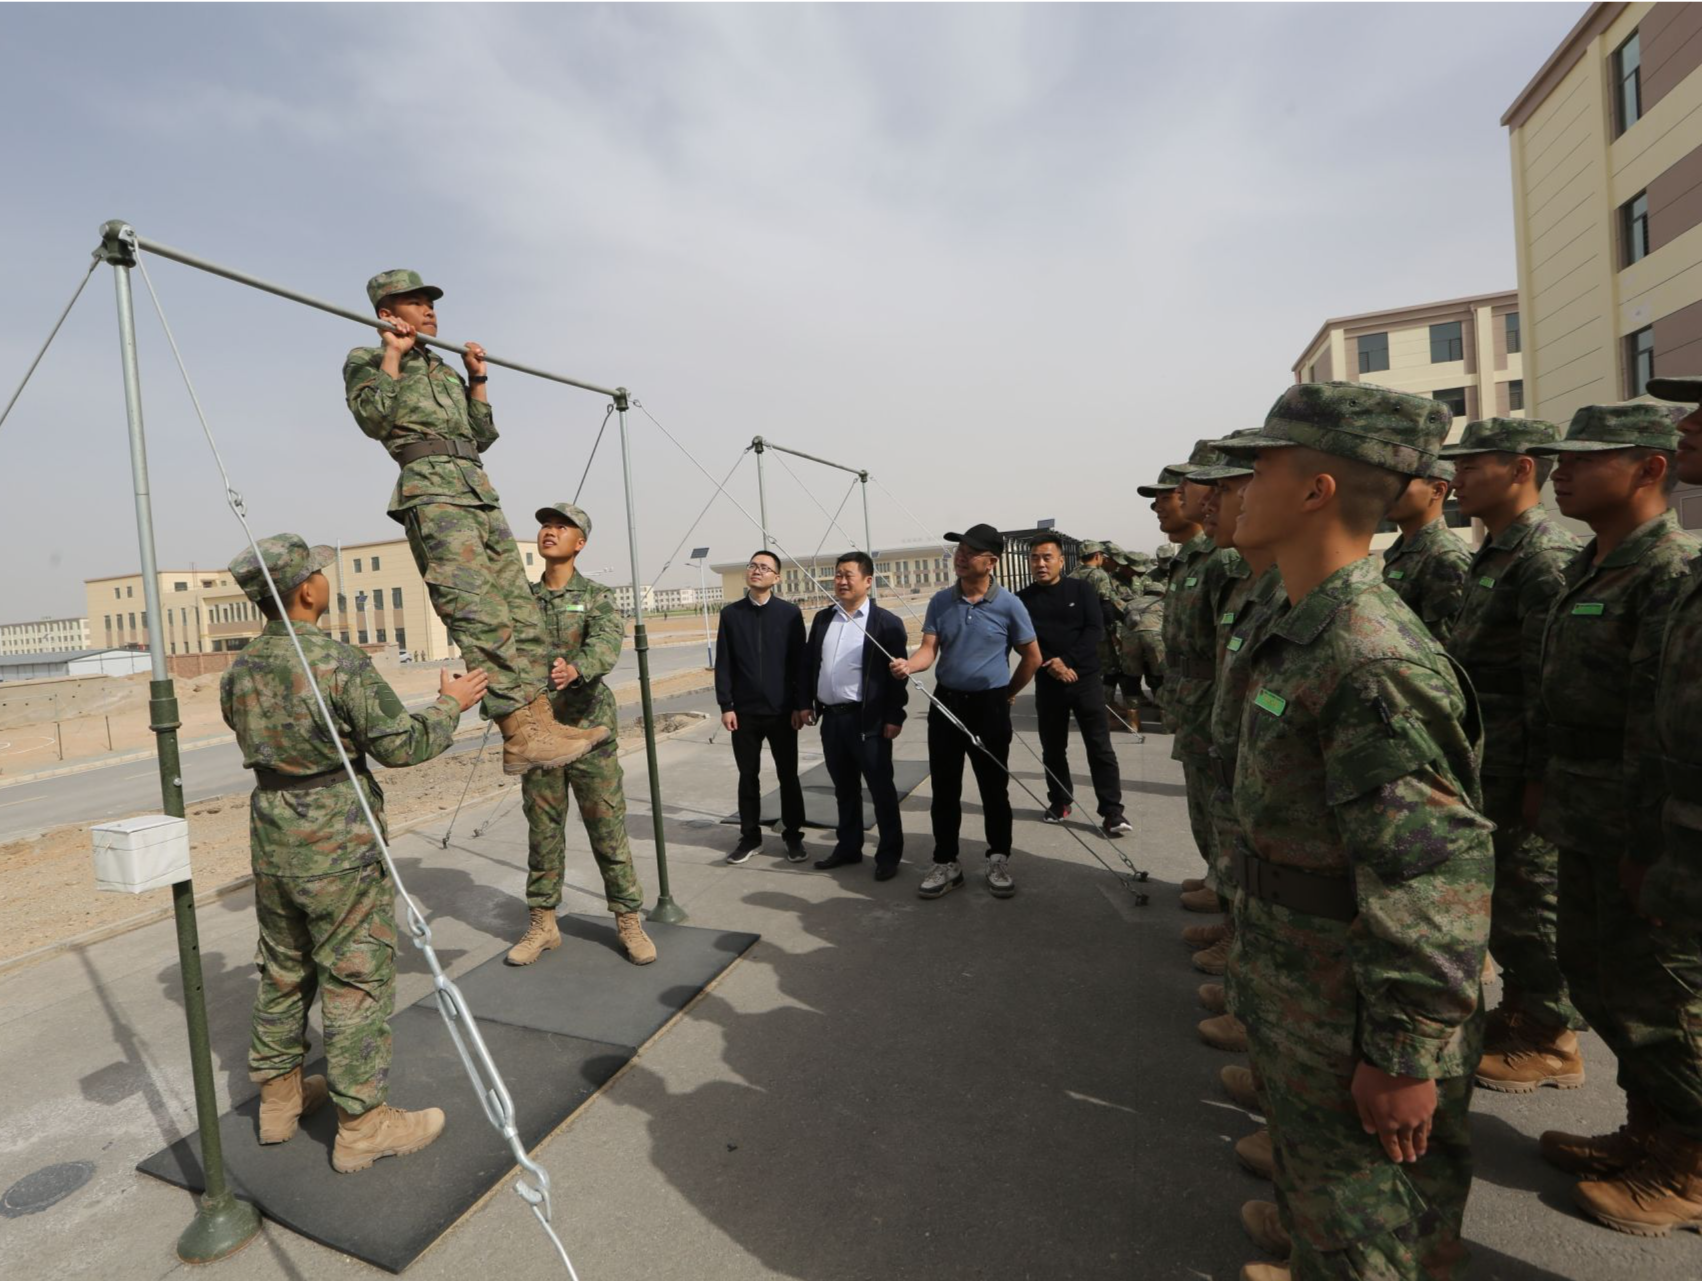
x=1606, y=145
x=903, y=572
x=382, y=602
x=45, y=636
x=1465, y=352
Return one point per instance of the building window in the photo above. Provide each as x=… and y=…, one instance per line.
x=1513, y=338
x=1634, y=229
x=375, y=564
x=1516, y=394
x=132, y=622
x=363, y=636
x=395, y=598
x=174, y=647
x=357, y=564
x=129, y=591
x=115, y=595
x=1447, y=342
x=1639, y=360
x=528, y=558
x=1628, y=84
x=402, y=639
x=345, y=635
x=108, y=618
x=180, y=587
x=1454, y=398
x=206, y=582
x=381, y=636
x=342, y=606
x=1373, y=352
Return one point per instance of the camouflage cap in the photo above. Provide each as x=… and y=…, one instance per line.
x=574, y=516
x=1205, y=455
x=1226, y=468
x=1395, y=430
x=1502, y=436
x=1090, y=548
x=289, y=560
x=387, y=284
x=1441, y=469
x=1686, y=391
x=1167, y=480
x=1597, y=428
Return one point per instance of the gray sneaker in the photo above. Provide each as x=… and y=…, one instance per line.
x=941, y=879
x=999, y=875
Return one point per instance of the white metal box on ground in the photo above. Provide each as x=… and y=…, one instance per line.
x=138, y=854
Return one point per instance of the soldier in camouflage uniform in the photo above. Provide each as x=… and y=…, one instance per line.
x=1633, y=980
x=1191, y=610
x=1091, y=568
x=1363, y=866
x=582, y=638
x=403, y=395
x=1660, y=1187
x=1140, y=635
x=1427, y=564
x=1497, y=637
x=326, y=907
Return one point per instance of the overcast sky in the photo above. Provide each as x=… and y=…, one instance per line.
x=1010, y=259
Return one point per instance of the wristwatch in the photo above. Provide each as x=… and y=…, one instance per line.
x=476, y=379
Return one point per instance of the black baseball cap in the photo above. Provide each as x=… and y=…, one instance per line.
x=983, y=538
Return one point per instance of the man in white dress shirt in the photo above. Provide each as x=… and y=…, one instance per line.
x=847, y=687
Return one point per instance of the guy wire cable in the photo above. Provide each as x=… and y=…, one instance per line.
x=1129, y=882
x=479, y=756
x=669, y=563
x=592, y=457
x=94, y=261
x=476, y=1059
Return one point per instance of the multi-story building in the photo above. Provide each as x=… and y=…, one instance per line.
x=902, y=572
x=44, y=636
x=1465, y=352
x=1607, y=204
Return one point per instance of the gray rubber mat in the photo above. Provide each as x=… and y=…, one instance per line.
x=557, y=1029
x=820, y=808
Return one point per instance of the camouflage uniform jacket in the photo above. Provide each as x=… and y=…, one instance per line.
x=1497, y=636
x=1191, y=612
x=1358, y=759
x=1672, y=890
x=1429, y=574
x=1600, y=659
x=582, y=625
x=1261, y=604
x=429, y=401
x=1108, y=593
x=265, y=701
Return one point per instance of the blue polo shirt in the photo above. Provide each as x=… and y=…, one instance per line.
x=975, y=640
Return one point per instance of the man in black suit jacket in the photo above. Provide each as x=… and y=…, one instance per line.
x=846, y=684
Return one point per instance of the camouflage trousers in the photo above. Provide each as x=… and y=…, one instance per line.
x=1201, y=777
x=595, y=780
x=336, y=936
x=478, y=587
x=1524, y=920
x=1639, y=984
x=1353, y=1214
x=1140, y=655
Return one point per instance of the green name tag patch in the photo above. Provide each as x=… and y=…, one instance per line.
x=1227, y=619
x=1275, y=704
x=1234, y=645
x=1396, y=574
x=1486, y=581
x=1189, y=581
x=1589, y=609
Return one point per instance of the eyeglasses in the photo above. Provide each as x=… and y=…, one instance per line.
x=761, y=567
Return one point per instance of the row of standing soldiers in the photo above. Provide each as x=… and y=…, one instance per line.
x=1131, y=653
x=1396, y=767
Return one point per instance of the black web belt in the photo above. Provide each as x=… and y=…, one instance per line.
x=435, y=447
x=269, y=780
x=1314, y=893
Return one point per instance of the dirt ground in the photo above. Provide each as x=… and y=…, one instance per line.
x=47, y=894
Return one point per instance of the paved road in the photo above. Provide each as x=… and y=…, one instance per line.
x=134, y=786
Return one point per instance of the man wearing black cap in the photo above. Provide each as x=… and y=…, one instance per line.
x=969, y=630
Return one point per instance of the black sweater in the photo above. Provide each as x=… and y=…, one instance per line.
x=1068, y=622
x=759, y=657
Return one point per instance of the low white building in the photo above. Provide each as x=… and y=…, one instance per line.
x=88, y=662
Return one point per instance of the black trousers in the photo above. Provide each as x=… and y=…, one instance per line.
x=852, y=761
x=775, y=730
x=1055, y=702
x=987, y=714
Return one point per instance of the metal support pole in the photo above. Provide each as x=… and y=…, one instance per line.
x=703, y=602
x=666, y=910
x=868, y=535
x=222, y=1224
x=761, y=490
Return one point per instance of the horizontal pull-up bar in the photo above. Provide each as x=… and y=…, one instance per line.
x=118, y=236
x=759, y=444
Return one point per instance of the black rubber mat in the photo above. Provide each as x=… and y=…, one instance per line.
x=557, y=1029
x=820, y=808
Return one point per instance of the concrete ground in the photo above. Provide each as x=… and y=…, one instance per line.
x=883, y=1088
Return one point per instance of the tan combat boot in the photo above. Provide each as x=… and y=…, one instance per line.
x=1265, y=1272
x=1660, y=1193
x=1264, y=1226
x=1242, y=1087
x=380, y=1132
x=1531, y=1056
x=1225, y=1032
x=1202, y=900
x=284, y=1100
x=1214, y=998
x=639, y=949
x=1255, y=1152
x=532, y=739
x=542, y=935
x=1214, y=960
x=1602, y=1155
x=1193, y=883
x=1199, y=936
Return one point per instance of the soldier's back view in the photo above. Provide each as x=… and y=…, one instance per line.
x=324, y=900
